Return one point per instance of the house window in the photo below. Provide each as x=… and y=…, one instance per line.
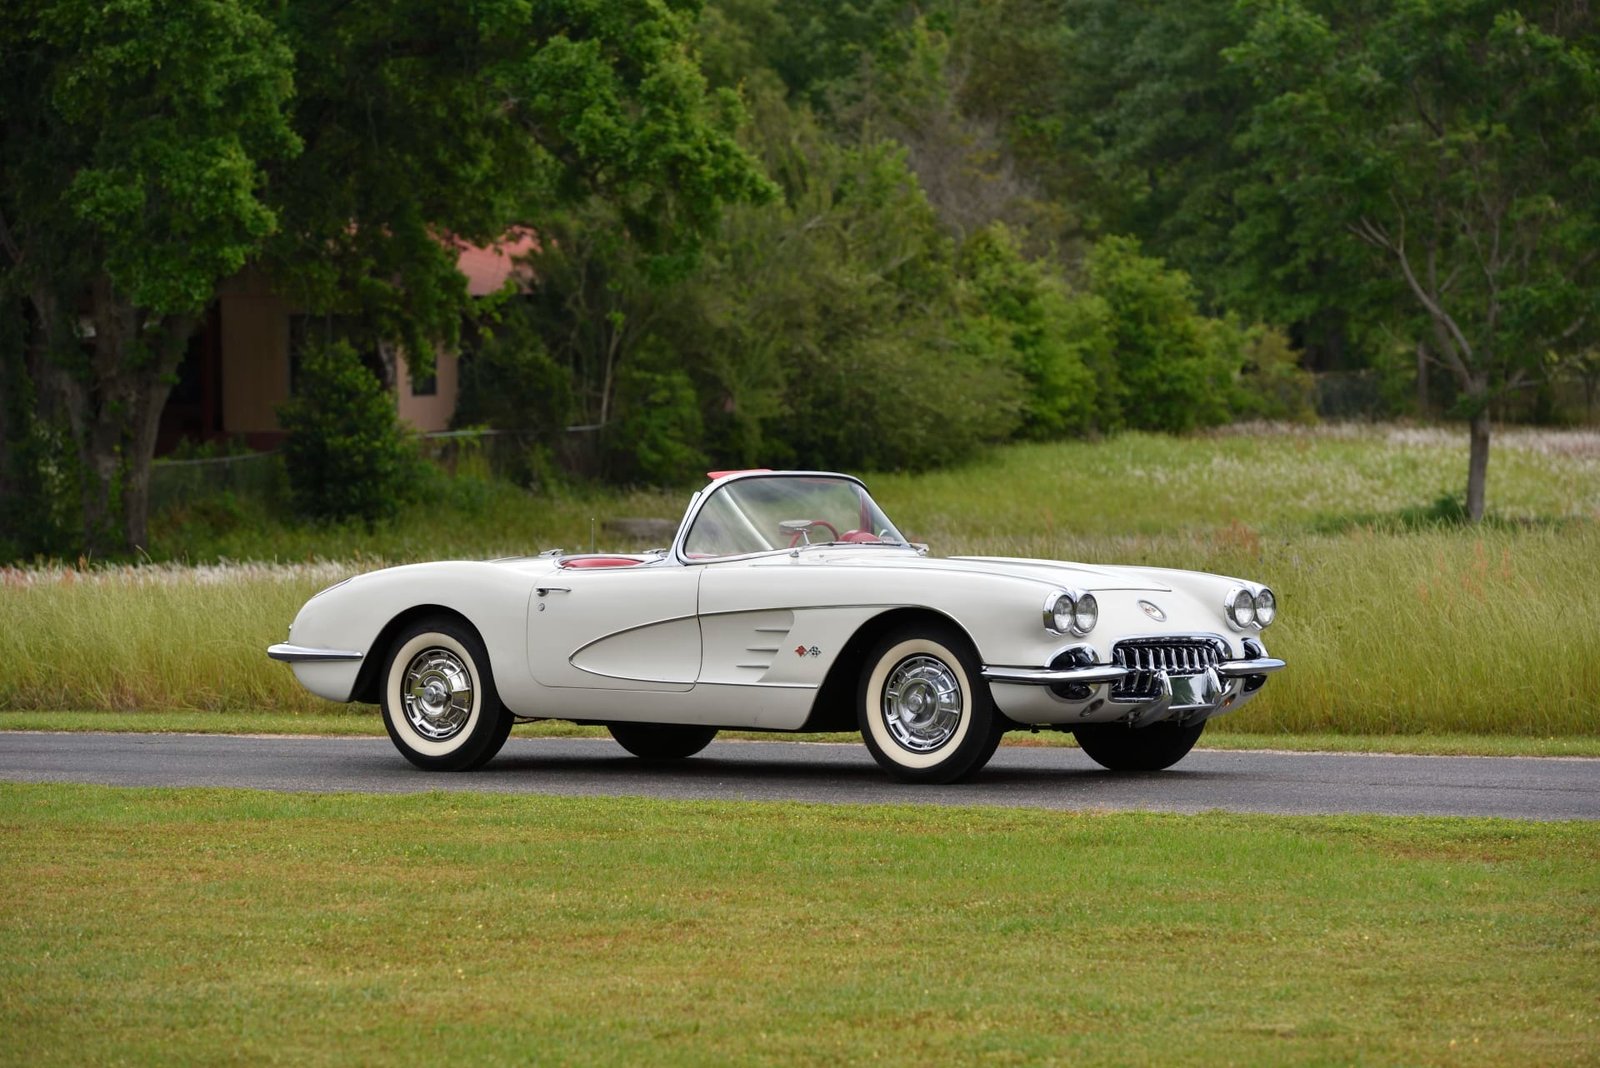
x=425, y=385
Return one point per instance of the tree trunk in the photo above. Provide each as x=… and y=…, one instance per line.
x=12, y=382
x=152, y=389
x=1422, y=380
x=115, y=412
x=1478, y=463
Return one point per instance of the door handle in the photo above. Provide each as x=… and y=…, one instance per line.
x=542, y=590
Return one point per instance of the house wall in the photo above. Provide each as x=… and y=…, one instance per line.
x=253, y=336
x=429, y=413
x=255, y=355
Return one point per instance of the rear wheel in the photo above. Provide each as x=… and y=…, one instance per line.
x=439, y=702
x=1118, y=747
x=661, y=741
x=924, y=710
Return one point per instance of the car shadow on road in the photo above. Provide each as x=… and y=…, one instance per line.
x=813, y=769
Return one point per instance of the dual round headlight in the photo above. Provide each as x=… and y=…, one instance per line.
x=1067, y=613
x=1245, y=609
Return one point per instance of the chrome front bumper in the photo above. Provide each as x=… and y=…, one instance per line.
x=1191, y=697
x=300, y=654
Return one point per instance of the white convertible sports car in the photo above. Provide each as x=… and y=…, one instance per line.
x=789, y=602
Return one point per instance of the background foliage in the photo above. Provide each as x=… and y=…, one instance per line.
x=854, y=233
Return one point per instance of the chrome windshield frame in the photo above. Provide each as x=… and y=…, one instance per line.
x=703, y=496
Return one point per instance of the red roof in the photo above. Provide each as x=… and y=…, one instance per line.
x=487, y=268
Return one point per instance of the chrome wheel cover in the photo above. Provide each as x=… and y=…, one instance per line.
x=437, y=694
x=922, y=703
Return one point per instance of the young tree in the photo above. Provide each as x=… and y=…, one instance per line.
x=1458, y=142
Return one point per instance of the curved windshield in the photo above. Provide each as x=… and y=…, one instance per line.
x=755, y=515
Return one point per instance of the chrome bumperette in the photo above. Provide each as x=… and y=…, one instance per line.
x=1156, y=708
x=300, y=654
x=1262, y=665
x=1091, y=675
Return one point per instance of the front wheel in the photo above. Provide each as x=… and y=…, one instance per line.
x=924, y=710
x=661, y=741
x=1118, y=747
x=439, y=702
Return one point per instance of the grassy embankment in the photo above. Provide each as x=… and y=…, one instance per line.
x=171, y=926
x=1395, y=625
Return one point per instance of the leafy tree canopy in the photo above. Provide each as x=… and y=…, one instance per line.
x=1452, y=148
x=152, y=147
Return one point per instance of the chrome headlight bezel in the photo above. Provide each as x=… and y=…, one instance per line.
x=1085, y=607
x=1071, y=612
x=1266, y=607
x=1058, y=613
x=1239, y=609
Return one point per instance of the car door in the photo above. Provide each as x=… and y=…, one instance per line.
x=771, y=630
x=619, y=628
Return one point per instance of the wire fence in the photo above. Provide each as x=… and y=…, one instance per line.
x=257, y=475
x=1367, y=396
x=520, y=455
x=526, y=455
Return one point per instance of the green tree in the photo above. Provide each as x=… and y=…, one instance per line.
x=1062, y=341
x=132, y=143
x=1170, y=373
x=657, y=436
x=1128, y=117
x=151, y=148
x=832, y=329
x=1124, y=110
x=510, y=382
x=1457, y=143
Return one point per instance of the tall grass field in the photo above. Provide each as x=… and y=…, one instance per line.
x=1393, y=618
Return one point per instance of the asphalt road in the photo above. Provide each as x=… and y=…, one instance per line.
x=1049, y=778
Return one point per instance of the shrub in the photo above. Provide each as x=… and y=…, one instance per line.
x=1170, y=375
x=1053, y=335
x=347, y=455
x=1270, y=384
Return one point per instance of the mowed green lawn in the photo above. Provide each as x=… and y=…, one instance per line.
x=156, y=926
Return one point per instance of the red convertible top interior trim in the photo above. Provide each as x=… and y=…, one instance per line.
x=601, y=561
x=714, y=475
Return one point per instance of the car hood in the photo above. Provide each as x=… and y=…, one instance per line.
x=1056, y=572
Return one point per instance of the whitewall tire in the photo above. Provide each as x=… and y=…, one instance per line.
x=439, y=702
x=923, y=707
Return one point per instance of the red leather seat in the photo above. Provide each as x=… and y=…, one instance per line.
x=601, y=561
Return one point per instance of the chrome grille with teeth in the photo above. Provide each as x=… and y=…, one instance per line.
x=1147, y=656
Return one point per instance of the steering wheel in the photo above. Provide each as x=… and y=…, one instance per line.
x=796, y=529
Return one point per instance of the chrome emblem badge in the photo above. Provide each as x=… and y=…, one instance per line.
x=1153, y=612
